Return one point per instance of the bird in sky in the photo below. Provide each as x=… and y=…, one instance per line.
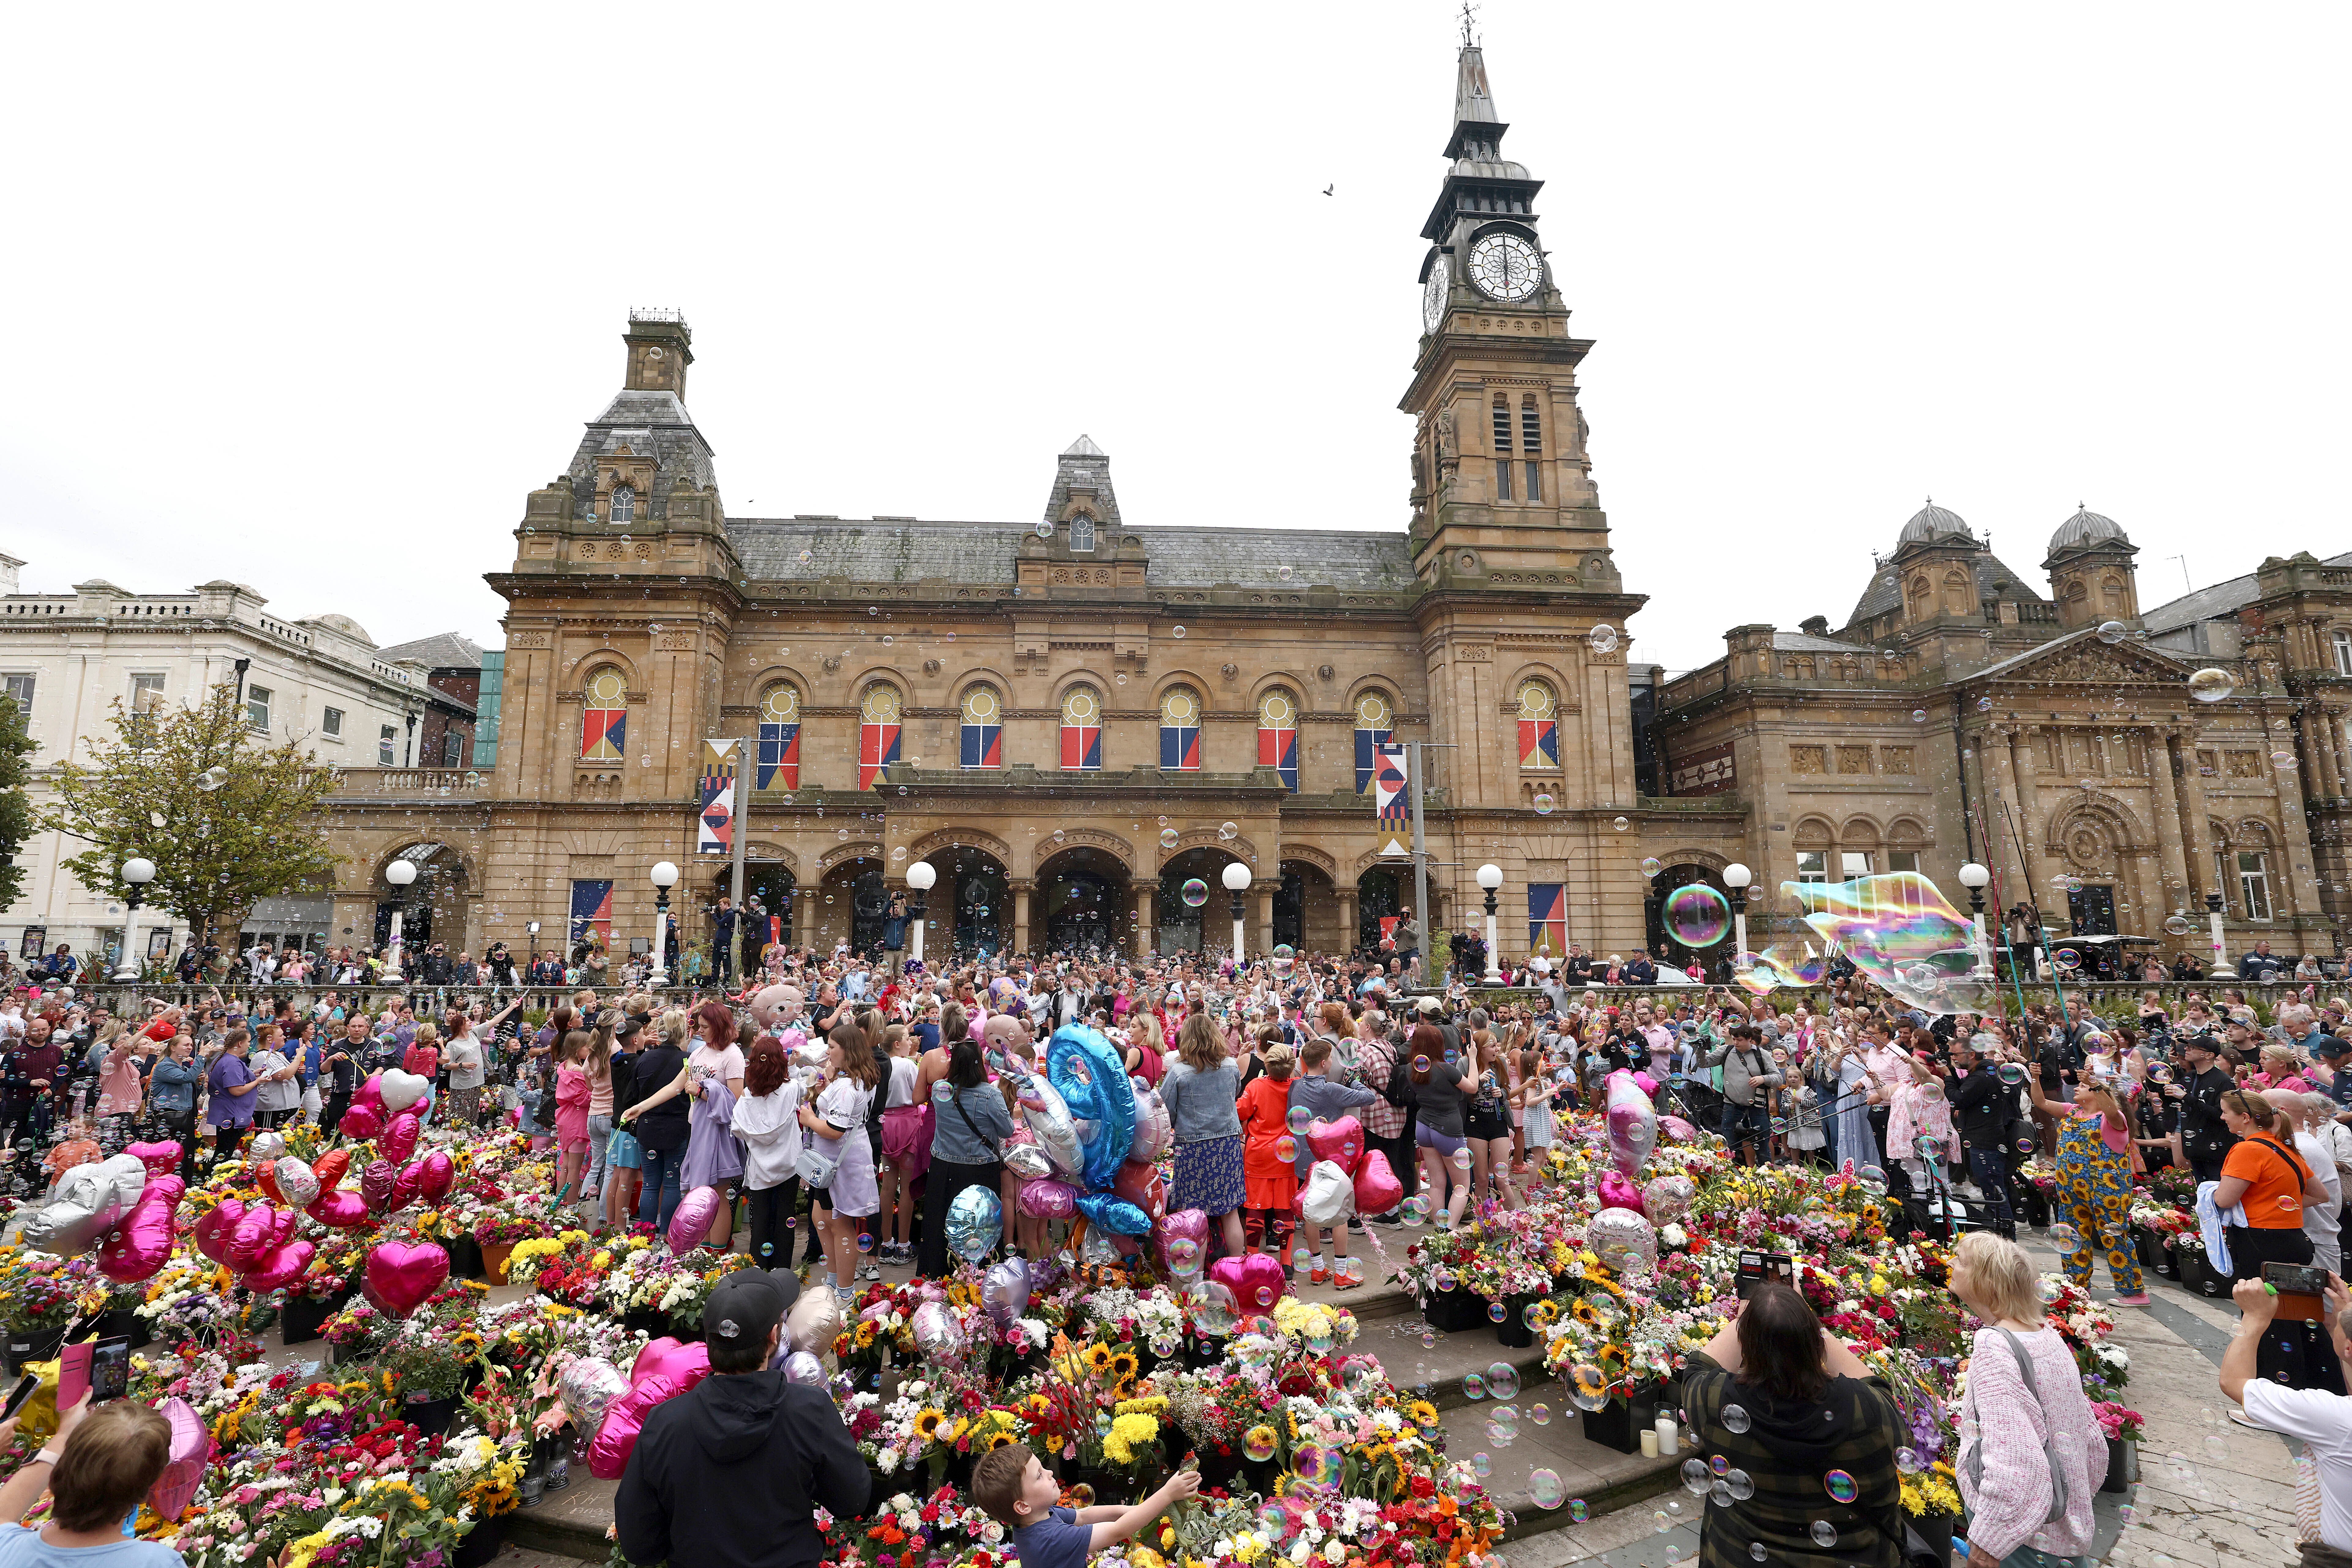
x=1326, y=190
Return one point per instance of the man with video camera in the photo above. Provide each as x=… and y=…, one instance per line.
x=2318, y=1417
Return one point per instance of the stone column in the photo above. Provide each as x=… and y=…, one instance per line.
x=2198, y=851
x=1348, y=918
x=1020, y=891
x=2298, y=874
x=2005, y=821
x=1265, y=916
x=2319, y=754
x=2177, y=890
x=1147, y=929
x=2029, y=825
x=804, y=904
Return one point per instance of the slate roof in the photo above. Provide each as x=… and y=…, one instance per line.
x=444, y=650
x=653, y=423
x=897, y=551
x=1883, y=595
x=2221, y=598
x=1802, y=642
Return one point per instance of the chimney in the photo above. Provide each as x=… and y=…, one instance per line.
x=661, y=345
x=1814, y=626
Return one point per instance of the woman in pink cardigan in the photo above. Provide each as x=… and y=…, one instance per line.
x=2009, y=1431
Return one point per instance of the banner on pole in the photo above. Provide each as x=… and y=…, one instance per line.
x=716, y=824
x=1391, y=802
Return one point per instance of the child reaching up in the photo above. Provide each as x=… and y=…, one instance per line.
x=1018, y=1492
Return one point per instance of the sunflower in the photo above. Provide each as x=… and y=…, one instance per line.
x=1099, y=1358
x=999, y=1439
x=1612, y=1361
x=1258, y=1439
x=1584, y=1313
x=1124, y=1365
x=926, y=1423
x=467, y=1342
x=1422, y=1412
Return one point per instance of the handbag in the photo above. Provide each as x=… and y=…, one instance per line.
x=814, y=1169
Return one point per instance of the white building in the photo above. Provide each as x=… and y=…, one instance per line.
x=66, y=658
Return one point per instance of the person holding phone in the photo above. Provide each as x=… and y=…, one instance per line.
x=97, y=1469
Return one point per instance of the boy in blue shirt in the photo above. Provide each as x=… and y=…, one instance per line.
x=1018, y=1492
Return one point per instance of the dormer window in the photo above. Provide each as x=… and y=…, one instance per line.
x=1081, y=533
x=624, y=504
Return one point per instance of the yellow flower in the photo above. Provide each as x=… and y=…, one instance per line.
x=926, y=1423
x=1422, y=1412
x=1099, y=1358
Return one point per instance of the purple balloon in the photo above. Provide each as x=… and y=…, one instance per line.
x=689, y=1225
x=1048, y=1199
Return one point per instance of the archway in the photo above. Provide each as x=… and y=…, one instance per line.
x=970, y=909
x=1380, y=895
x=1306, y=911
x=1210, y=923
x=1081, y=904
x=436, y=902
x=769, y=890
x=1714, y=956
x=852, y=904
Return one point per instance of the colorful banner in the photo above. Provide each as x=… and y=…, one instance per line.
x=592, y=911
x=717, y=822
x=1547, y=918
x=1392, y=804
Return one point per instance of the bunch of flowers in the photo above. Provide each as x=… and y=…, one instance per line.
x=510, y=1222
x=43, y=1290
x=191, y=1297
x=357, y=1331
x=2119, y=1424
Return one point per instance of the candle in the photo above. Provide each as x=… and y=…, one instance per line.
x=1649, y=1443
x=1668, y=1437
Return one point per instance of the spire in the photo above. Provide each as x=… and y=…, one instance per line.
x=1481, y=181
x=1474, y=119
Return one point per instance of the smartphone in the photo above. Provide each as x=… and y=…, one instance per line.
x=109, y=1369
x=2301, y=1289
x=73, y=1373
x=27, y=1386
x=1755, y=1267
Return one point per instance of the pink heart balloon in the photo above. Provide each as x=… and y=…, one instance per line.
x=140, y=1246
x=1340, y=1141
x=397, y=1142
x=161, y=1159
x=665, y=1370
x=191, y=1450
x=371, y=1096
x=1254, y=1280
x=1140, y=1184
x=340, y=1207
x=1678, y=1129
x=281, y=1265
x=1619, y=1193
x=1185, y=1224
x=257, y=1230
x=1046, y=1198
x=212, y=1232
x=361, y=1122
x=289, y=1223
x=689, y=1225
x=401, y=1274
x=404, y=1186
x=1377, y=1188
x=376, y=1182
x=439, y=1175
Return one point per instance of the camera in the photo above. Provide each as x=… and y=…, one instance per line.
x=2300, y=1289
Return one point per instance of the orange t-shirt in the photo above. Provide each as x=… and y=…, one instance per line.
x=2274, y=1179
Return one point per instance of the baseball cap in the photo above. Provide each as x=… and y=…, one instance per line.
x=747, y=1303
x=2329, y=1046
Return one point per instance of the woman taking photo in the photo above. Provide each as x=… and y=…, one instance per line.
x=230, y=1084
x=2264, y=1176
x=2096, y=1159
x=837, y=1121
x=2024, y=1409
x=713, y=1079
x=1790, y=1406
x=1201, y=1088
x=969, y=1127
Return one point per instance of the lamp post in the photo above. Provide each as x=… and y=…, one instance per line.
x=664, y=876
x=400, y=873
x=1974, y=876
x=136, y=875
x=1737, y=877
x=1236, y=877
x=2213, y=922
x=921, y=877
x=1490, y=877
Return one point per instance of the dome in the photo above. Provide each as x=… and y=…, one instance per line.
x=1932, y=522
x=1490, y=169
x=348, y=626
x=2085, y=528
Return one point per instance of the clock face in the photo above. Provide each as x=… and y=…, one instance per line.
x=1506, y=267
x=1433, y=294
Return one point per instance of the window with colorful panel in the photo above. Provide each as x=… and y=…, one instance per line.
x=982, y=731
x=1082, y=729
x=605, y=723
x=1547, y=918
x=1539, y=726
x=780, y=736
x=878, y=713
x=1375, y=724
x=1277, y=735
x=1179, y=729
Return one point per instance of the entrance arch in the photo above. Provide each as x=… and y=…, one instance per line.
x=1307, y=913
x=433, y=907
x=1082, y=903
x=1186, y=928
x=970, y=906
x=851, y=903
x=1716, y=955
x=1379, y=894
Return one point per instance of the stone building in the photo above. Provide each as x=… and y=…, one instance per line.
x=1962, y=713
x=453, y=684
x=1075, y=715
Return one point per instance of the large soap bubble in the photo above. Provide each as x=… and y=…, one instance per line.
x=1902, y=934
x=1697, y=915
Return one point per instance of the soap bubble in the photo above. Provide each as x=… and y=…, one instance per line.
x=1620, y=822
x=1578, y=1511
x=2210, y=685
x=1283, y=571
x=1918, y=715
x=1756, y=1550
x=2113, y=631
x=1545, y=1489
x=1735, y=1419
x=1299, y=1119
x=1196, y=893
x=1652, y=866
x=1840, y=1485
x=1697, y=915
x=1907, y=1460
x=2179, y=925
x=2012, y=1073
x=1587, y=1386
x=1695, y=1480
x=1824, y=1533
x=1503, y=1380
x=1178, y=633
x=1258, y=1445
x=2065, y=1237
x=1659, y=1522
x=1603, y=638
x=1496, y=1311
x=1286, y=1148
x=212, y=779
x=1168, y=837
x=1482, y=1466
x=1474, y=1386
x=1503, y=1426
x=1544, y=803
x=1872, y=1180
x=1720, y=1466
x=1740, y=1484
x=1228, y=831
x=2067, y=958
x=1539, y=1413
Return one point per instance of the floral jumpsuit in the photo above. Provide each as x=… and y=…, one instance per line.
x=2094, y=1190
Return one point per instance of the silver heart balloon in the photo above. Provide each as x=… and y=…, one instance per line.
x=801, y=1367
x=268, y=1146
x=90, y=1202
x=1004, y=1290
x=815, y=1322
x=586, y=1385
x=1027, y=1160
x=297, y=1181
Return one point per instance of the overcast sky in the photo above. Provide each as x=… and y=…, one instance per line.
x=311, y=303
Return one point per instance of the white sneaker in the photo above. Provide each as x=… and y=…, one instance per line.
x=868, y=1269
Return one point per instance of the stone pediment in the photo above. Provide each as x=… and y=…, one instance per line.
x=2092, y=663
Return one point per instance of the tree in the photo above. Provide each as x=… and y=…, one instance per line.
x=15, y=811
x=225, y=819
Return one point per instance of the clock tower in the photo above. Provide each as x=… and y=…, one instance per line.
x=1501, y=483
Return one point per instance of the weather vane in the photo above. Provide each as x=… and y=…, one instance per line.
x=1469, y=21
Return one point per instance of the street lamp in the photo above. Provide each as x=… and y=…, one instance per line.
x=1974, y=876
x=136, y=875
x=1737, y=877
x=400, y=873
x=921, y=877
x=2213, y=921
x=1490, y=877
x=664, y=876
x=1236, y=877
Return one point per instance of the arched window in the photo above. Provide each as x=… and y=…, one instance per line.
x=1081, y=730
x=1277, y=735
x=605, y=723
x=1375, y=722
x=1539, y=726
x=879, y=713
x=983, y=727
x=1179, y=729
x=780, y=735
x=624, y=504
x=2111, y=593
x=1082, y=531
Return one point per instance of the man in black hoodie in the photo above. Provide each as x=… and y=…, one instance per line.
x=730, y=1474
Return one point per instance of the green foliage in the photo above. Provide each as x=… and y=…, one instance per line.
x=15, y=811
x=226, y=819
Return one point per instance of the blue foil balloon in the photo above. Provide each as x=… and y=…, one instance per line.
x=975, y=1223
x=1101, y=1096
x=1108, y=1212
